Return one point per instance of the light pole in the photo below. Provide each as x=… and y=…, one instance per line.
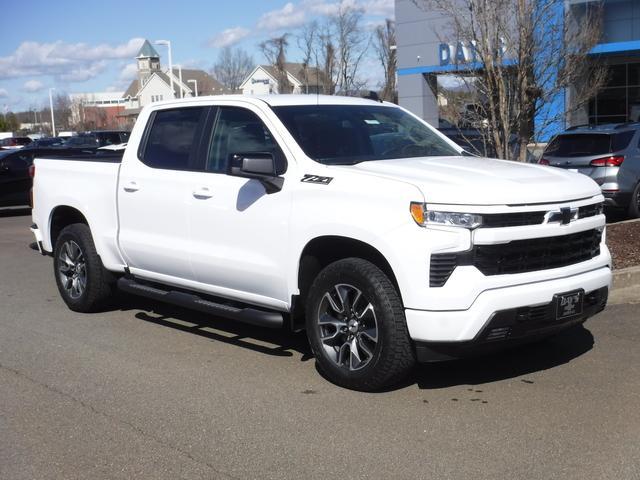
x=53, y=120
x=167, y=43
x=180, y=77
x=195, y=87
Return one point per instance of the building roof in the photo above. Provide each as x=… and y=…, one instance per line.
x=314, y=76
x=96, y=96
x=207, y=85
x=147, y=51
x=132, y=90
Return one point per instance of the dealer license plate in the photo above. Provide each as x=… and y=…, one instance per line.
x=569, y=304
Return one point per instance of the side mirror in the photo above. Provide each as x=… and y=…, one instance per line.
x=257, y=165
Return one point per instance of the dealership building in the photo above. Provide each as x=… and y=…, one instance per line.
x=425, y=53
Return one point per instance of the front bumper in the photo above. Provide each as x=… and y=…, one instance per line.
x=513, y=327
x=467, y=325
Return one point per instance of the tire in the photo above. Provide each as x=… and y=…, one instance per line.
x=352, y=305
x=83, y=282
x=634, y=204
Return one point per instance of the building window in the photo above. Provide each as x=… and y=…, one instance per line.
x=619, y=100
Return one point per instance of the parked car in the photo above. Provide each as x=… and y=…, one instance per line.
x=609, y=154
x=14, y=142
x=350, y=218
x=15, y=182
x=47, y=142
x=469, y=138
x=97, y=139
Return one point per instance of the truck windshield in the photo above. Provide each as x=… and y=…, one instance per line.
x=350, y=134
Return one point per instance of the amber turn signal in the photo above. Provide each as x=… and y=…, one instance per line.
x=417, y=212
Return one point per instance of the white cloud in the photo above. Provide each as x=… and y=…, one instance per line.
x=289, y=16
x=71, y=61
x=228, y=37
x=33, y=86
x=128, y=72
x=321, y=7
x=82, y=73
x=3, y=93
x=384, y=8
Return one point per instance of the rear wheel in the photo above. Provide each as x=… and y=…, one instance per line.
x=634, y=205
x=83, y=282
x=356, y=326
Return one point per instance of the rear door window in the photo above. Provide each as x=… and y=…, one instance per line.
x=620, y=141
x=172, y=139
x=586, y=144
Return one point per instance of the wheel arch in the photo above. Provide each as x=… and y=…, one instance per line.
x=62, y=216
x=323, y=250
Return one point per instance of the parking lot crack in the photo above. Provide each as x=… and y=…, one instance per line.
x=131, y=426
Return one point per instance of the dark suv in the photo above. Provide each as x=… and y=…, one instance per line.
x=610, y=154
x=97, y=139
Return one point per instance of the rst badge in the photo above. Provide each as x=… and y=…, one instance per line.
x=569, y=304
x=307, y=178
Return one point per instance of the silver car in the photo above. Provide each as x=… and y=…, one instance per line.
x=610, y=154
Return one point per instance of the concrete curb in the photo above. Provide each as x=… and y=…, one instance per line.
x=626, y=277
x=622, y=222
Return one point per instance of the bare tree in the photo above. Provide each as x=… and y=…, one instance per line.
x=385, y=47
x=307, y=39
x=275, y=50
x=62, y=111
x=232, y=67
x=526, y=62
x=351, y=46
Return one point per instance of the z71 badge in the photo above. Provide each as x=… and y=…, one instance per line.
x=316, y=179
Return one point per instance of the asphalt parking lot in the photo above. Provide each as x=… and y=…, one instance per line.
x=152, y=391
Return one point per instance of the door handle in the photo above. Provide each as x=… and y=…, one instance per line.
x=131, y=187
x=202, y=193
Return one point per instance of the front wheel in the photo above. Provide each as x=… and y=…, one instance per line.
x=356, y=326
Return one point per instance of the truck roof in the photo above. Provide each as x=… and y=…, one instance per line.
x=280, y=100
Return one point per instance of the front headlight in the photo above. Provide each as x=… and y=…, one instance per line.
x=424, y=217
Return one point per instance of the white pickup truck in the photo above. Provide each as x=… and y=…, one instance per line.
x=350, y=218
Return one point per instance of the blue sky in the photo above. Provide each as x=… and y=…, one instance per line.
x=80, y=46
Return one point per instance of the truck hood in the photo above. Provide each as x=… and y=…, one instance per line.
x=484, y=181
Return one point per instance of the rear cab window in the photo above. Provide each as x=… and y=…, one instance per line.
x=172, y=138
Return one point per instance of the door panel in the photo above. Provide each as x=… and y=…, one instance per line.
x=156, y=191
x=239, y=233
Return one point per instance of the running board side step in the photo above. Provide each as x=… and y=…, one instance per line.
x=261, y=318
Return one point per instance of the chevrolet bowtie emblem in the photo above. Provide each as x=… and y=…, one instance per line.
x=563, y=216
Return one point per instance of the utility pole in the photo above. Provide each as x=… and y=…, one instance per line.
x=53, y=120
x=167, y=43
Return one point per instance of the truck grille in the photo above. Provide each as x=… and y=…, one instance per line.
x=519, y=219
x=519, y=256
